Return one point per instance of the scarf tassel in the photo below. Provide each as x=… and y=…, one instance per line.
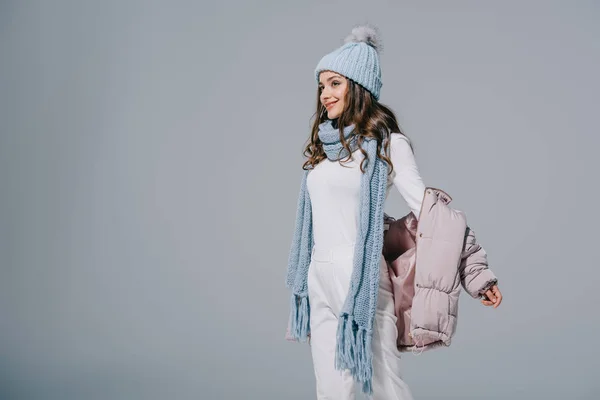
x=353, y=351
x=300, y=318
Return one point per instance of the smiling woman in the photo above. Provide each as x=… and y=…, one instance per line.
x=342, y=295
x=354, y=140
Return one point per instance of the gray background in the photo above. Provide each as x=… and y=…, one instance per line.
x=150, y=160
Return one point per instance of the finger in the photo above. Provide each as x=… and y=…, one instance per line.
x=498, y=300
x=497, y=293
x=486, y=302
x=490, y=295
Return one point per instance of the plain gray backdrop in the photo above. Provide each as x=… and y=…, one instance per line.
x=150, y=161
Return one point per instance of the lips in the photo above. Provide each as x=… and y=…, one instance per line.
x=330, y=104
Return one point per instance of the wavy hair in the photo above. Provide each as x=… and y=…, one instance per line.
x=371, y=118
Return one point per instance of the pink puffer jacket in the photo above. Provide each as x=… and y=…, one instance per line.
x=429, y=260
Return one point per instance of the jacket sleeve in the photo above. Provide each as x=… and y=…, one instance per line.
x=475, y=275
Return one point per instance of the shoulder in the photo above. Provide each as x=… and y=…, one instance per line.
x=400, y=151
x=399, y=143
x=396, y=137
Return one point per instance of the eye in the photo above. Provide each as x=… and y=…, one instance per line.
x=335, y=83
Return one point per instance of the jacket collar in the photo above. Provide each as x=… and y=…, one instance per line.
x=445, y=197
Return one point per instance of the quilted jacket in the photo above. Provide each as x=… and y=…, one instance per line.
x=429, y=260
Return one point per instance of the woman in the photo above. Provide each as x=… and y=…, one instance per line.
x=342, y=293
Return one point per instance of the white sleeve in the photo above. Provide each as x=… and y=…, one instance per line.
x=406, y=176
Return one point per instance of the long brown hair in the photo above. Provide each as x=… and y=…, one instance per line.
x=371, y=118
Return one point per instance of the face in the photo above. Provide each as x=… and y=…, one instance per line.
x=333, y=88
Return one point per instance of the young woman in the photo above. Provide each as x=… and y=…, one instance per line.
x=342, y=293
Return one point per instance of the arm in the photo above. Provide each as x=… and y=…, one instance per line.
x=406, y=176
x=476, y=278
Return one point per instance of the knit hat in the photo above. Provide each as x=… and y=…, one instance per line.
x=357, y=59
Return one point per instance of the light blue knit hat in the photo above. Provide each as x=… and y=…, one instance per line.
x=357, y=59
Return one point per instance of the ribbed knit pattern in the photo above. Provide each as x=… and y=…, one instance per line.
x=357, y=61
x=355, y=329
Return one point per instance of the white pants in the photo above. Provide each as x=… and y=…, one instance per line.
x=328, y=281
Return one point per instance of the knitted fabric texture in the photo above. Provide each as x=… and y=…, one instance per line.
x=357, y=59
x=355, y=327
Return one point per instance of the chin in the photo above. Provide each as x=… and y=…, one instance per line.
x=333, y=114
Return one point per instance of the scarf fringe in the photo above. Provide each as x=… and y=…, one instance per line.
x=353, y=351
x=300, y=327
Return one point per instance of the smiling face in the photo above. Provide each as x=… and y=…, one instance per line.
x=333, y=88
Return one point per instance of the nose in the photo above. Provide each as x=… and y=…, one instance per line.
x=325, y=96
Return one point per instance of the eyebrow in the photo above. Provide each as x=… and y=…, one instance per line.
x=330, y=78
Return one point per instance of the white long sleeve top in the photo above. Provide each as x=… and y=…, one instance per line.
x=335, y=189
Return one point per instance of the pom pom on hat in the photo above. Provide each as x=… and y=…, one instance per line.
x=367, y=34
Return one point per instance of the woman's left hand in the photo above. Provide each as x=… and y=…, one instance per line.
x=492, y=297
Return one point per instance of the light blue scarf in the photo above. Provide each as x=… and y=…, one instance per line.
x=355, y=327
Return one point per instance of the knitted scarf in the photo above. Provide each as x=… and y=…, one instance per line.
x=355, y=326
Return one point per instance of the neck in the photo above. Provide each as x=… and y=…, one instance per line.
x=332, y=145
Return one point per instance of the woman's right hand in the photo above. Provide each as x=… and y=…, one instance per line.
x=492, y=297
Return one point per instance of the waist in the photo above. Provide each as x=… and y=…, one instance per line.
x=333, y=253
